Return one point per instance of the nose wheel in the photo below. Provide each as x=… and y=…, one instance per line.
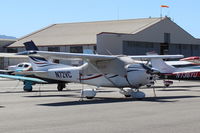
x=133, y=92
x=138, y=95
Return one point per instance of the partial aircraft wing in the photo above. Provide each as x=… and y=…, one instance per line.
x=115, y=64
x=6, y=71
x=23, y=78
x=104, y=63
x=148, y=57
x=64, y=55
x=96, y=57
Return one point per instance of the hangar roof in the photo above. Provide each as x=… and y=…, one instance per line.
x=4, y=42
x=83, y=33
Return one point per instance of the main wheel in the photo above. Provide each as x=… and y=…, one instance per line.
x=166, y=85
x=127, y=96
x=60, y=86
x=148, y=86
x=28, y=88
x=138, y=95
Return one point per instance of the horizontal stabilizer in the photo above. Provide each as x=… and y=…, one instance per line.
x=148, y=57
x=29, y=73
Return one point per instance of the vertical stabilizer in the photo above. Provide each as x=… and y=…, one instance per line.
x=161, y=66
x=30, y=45
x=38, y=63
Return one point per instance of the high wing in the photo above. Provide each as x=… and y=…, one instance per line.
x=102, y=63
x=148, y=57
x=64, y=55
x=23, y=78
x=96, y=57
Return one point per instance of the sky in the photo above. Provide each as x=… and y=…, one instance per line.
x=21, y=17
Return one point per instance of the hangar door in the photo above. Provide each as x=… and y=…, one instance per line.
x=138, y=48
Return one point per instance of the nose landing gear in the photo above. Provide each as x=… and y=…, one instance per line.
x=133, y=92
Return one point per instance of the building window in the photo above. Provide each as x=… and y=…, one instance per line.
x=166, y=37
x=76, y=49
x=12, y=50
x=54, y=49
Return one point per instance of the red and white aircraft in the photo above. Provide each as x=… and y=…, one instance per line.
x=181, y=70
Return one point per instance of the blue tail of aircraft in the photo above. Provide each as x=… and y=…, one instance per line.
x=38, y=63
x=31, y=46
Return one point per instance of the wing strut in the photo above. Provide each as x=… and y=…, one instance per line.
x=103, y=75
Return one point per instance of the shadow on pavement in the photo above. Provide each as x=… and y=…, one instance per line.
x=103, y=100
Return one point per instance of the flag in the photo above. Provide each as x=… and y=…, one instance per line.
x=164, y=6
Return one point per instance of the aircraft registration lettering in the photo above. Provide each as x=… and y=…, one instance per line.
x=187, y=75
x=66, y=74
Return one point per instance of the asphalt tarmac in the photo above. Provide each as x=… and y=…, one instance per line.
x=45, y=110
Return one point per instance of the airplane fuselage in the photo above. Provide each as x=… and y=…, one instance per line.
x=183, y=75
x=134, y=78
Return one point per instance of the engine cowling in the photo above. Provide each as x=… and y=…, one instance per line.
x=88, y=93
x=137, y=75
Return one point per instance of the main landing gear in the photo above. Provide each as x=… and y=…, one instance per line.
x=88, y=93
x=167, y=83
x=28, y=86
x=61, y=86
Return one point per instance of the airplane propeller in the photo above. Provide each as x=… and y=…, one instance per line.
x=150, y=70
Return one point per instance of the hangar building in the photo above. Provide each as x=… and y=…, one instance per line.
x=130, y=37
x=4, y=43
x=6, y=58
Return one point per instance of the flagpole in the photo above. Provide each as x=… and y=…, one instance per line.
x=160, y=12
x=162, y=6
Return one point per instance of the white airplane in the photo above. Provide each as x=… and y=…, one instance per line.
x=99, y=70
x=184, y=64
x=21, y=72
x=24, y=66
x=193, y=59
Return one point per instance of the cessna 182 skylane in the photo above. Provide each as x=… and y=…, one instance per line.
x=99, y=70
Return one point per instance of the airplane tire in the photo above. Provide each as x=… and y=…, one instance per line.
x=166, y=85
x=148, y=86
x=89, y=97
x=28, y=88
x=60, y=86
x=127, y=96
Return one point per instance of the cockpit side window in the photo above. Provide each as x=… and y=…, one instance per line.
x=20, y=65
x=26, y=65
